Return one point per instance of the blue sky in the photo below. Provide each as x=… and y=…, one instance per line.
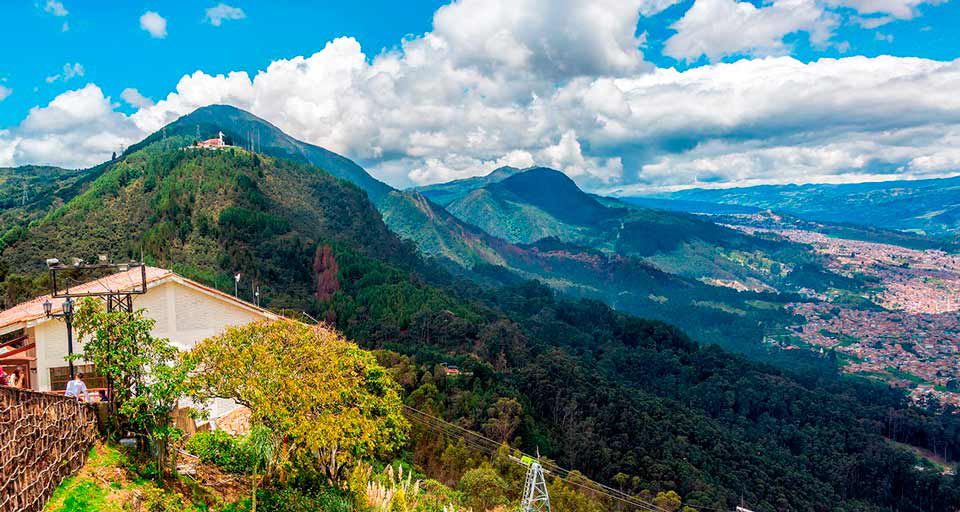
x=106, y=39
x=623, y=95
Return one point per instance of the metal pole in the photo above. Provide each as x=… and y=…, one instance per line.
x=69, y=318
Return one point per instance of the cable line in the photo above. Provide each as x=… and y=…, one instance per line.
x=489, y=446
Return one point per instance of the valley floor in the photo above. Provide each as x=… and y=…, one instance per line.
x=906, y=332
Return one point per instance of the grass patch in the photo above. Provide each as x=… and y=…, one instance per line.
x=78, y=495
x=105, y=484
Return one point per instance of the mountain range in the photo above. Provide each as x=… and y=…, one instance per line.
x=725, y=286
x=657, y=264
x=929, y=206
x=621, y=398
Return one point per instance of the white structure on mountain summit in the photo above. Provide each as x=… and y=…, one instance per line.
x=216, y=143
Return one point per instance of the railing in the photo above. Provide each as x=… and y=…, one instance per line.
x=96, y=394
x=44, y=438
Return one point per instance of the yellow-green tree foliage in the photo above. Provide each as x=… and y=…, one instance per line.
x=668, y=500
x=483, y=488
x=330, y=400
x=574, y=496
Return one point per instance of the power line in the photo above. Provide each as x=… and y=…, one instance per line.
x=484, y=444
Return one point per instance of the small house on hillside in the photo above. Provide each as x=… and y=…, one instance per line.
x=185, y=312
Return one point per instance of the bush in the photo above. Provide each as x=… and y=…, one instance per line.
x=219, y=448
x=289, y=499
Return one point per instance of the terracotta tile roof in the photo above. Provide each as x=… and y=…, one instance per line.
x=33, y=309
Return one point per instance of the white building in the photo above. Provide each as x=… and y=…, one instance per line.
x=185, y=312
x=217, y=143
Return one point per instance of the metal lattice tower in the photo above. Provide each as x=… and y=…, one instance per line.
x=535, y=496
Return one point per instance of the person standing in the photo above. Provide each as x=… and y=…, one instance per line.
x=16, y=378
x=77, y=386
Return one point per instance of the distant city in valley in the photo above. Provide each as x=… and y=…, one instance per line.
x=910, y=337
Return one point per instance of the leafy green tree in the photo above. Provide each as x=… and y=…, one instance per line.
x=145, y=380
x=483, y=488
x=572, y=498
x=504, y=418
x=259, y=447
x=328, y=399
x=669, y=501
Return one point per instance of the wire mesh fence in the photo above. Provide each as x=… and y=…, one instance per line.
x=44, y=438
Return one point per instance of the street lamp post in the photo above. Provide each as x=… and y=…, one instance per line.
x=67, y=316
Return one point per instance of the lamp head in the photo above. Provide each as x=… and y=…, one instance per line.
x=47, y=307
x=68, y=306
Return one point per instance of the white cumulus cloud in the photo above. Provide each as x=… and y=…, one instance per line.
x=715, y=28
x=900, y=9
x=216, y=14
x=573, y=92
x=549, y=37
x=134, y=98
x=5, y=92
x=78, y=128
x=154, y=24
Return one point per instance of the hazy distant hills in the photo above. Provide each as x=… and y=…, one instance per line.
x=28, y=192
x=930, y=207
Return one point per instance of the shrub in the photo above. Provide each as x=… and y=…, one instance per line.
x=289, y=499
x=219, y=448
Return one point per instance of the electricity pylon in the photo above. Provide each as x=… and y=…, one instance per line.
x=535, y=496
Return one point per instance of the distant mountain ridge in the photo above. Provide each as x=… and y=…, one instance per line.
x=539, y=203
x=929, y=206
x=594, y=262
x=530, y=205
x=446, y=193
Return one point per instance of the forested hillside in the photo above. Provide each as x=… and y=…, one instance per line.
x=531, y=205
x=28, y=192
x=634, y=403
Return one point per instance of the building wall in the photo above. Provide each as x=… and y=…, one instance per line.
x=184, y=315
